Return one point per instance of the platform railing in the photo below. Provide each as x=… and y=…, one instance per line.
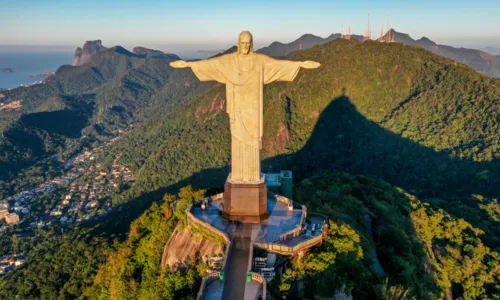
x=289, y=250
x=259, y=278
x=289, y=202
x=205, y=281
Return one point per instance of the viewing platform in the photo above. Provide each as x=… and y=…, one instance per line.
x=284, y=232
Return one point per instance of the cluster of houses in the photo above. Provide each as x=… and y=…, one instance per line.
x=10, y=106
x=10, y=217
x=8, y=263
x=85, y=190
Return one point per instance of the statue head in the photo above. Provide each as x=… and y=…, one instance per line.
x=245, y=43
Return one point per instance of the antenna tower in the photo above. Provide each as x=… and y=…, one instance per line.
x=348, y=36
x=368, y=35
x=381, y=38
x=390, y=33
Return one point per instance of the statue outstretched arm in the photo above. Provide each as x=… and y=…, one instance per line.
x=179, y=64
x=284, y=70
x=308, y=64
x=205, y=70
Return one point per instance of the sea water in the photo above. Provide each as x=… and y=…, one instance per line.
x=24, y=64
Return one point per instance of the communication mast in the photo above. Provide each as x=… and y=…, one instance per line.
x=348, y=36
x=368, y=34
x=389, y=38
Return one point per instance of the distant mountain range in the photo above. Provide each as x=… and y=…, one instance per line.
x=207, y=53
x=278, y=49
x=417, y=120
x=149, y=53
x=478, y=60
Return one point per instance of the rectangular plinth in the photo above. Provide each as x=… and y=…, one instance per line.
x=245, y=201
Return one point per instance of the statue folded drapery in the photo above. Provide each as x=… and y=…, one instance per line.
x=244, y=102
x=244, y=73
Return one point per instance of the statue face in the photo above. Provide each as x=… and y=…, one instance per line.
x=245, y=44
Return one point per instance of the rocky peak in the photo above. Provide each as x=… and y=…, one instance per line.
x=90, y=48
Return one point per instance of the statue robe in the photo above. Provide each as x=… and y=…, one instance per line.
x=244, y=102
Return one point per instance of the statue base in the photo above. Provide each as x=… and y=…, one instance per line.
x=245, y=201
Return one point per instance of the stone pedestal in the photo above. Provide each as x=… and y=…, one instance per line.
x=245, y=201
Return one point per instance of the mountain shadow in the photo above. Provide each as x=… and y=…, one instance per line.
x=68, y=123
x=344, y=140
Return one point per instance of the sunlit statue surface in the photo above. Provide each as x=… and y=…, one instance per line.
x=244, y=73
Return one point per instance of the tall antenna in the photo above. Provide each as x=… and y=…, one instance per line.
x=390, y=33
x=348, y=36
x=381, y=38
x=388, y=21
x=368, y=34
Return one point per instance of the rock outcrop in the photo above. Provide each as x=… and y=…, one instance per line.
x=90, y=48
x=184, y=245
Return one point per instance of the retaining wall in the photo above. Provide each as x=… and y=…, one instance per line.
x=192, y=219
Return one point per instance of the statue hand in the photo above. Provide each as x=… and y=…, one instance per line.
x=310, y=64
x=179, y=64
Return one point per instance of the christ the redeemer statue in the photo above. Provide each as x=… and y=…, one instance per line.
x=244, y=73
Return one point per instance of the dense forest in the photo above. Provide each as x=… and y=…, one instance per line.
x=383, y=138
x=425, y=253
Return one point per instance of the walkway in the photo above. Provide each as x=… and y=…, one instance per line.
x=237, y=265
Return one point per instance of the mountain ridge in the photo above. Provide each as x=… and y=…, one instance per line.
x=278, y=49
x=479, y=60
x=415, y=121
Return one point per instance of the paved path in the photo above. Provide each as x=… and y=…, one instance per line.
x=213, y=290
x=236, y=273
x=253, y=290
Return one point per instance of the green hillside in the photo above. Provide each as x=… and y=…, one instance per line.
x=113, y=90
x=401, y=113
x=400, y=116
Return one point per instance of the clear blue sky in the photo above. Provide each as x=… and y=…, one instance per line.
x=194, y=25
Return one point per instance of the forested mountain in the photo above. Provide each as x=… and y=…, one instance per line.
x=416, y=133
x=398, y=112
x=112, y=90
x=417, y=120
x=476, y=59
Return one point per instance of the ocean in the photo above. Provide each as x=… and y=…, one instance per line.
x=24, y=64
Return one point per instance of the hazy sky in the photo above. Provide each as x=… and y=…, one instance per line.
x=193, y=25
